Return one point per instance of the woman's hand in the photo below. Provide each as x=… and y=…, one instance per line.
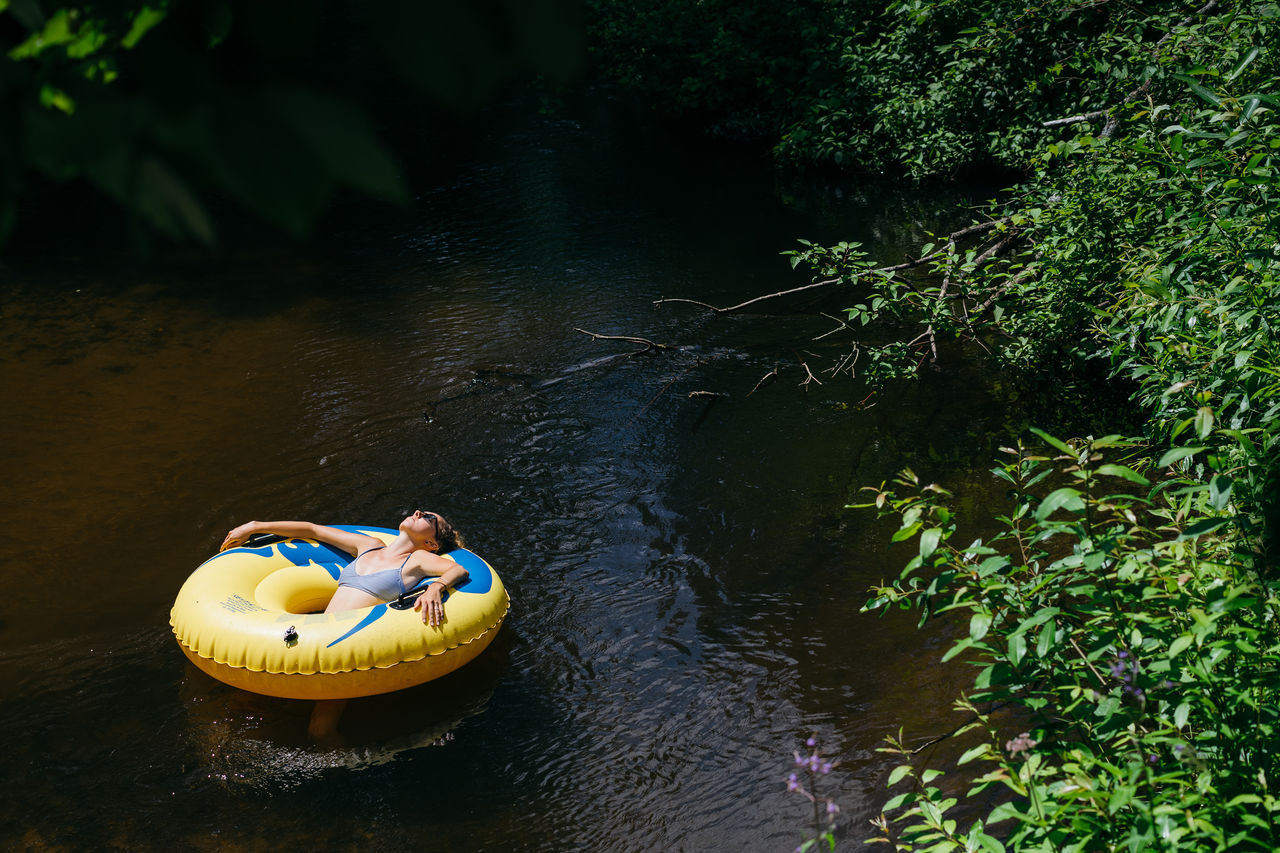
x=238, y=536
x=431, y=605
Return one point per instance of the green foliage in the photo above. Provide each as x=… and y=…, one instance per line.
x=1121, y=249
x=947, y=85
x=165, y=106
x=742, y=69
x=1126, y=684
x=1123, y=625
x=922, y=87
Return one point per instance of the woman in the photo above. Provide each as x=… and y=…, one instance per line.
x=380, y=572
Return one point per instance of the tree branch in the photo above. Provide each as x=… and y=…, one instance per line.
x=1057, y=122
x=952, y=238
x=742, y=305
x=648, y=344
x=1113, y=121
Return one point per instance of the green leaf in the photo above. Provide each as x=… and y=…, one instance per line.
x=1054, y=442
x=956, y=649
x=1065, y=498
x=1204, y=421
x=906, y=532
x=1244, y=62
x=146, y=19
x=341, y=139
x=170, y=205
x=979, y=624
x=897, y=801
x=1200, y=528
x=1177, y=454
x=1017, y=648
x=929, y=542
x=1004, y=811
x=1044, y=644
x=1180, y=644
x=1207, y=94
x=991, y=845
x=974, y=752
x=1120, y=798
x=899, y=773
x=1220, y=492
x=1121, y=471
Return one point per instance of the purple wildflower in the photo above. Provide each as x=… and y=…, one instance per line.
x=1126, y=670
x=1022, y=743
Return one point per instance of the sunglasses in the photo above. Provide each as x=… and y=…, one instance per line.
x=435, y=519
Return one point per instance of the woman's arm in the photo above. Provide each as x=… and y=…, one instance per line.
x=352, y=543
x=431, y=603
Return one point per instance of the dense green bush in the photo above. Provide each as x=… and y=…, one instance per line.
x=1126, y=620
x=1124, y=624
x=1126, y=687
x=938, y=86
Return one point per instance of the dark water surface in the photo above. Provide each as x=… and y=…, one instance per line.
x=685, y=579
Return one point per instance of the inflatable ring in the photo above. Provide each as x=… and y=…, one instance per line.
x=248, y=617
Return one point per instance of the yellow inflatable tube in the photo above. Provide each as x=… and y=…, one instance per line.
x=249, y=617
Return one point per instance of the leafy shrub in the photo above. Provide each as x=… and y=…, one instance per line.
x=1139, y=654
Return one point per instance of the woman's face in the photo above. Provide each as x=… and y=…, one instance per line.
x=422, y=527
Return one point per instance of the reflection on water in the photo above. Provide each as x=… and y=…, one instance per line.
x=259, y=742
x=685, y=580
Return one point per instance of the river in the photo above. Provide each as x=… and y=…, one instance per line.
x=685, y=578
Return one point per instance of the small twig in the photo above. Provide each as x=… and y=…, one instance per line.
x=711, y=394
x=1058, y=122
x=996, y=249
x=843, y=325
x=847, y=362
x=811, y=377
x=1000, y=291
x=952, y=239
x=975, y=718
x=1102, y=682
x=772, y=374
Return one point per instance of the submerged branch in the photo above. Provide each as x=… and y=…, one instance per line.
x=810, y=377
x=772, y=374
x=631, y=339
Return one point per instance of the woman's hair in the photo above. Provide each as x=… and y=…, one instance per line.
x=447, y=536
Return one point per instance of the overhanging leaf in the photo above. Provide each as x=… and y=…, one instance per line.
x=1177, y=454
x=1065, y=498
x=1200, y=528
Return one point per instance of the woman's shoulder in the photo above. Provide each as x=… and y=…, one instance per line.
x=427, y=561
